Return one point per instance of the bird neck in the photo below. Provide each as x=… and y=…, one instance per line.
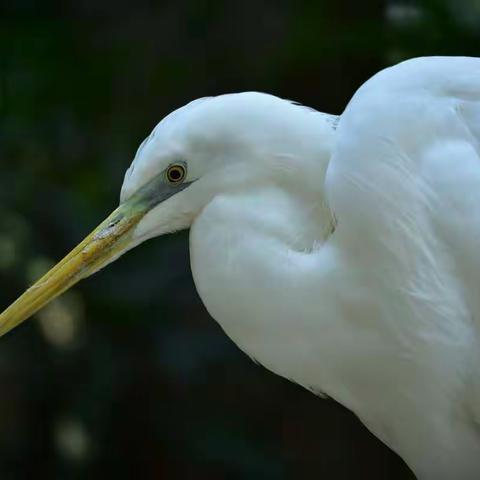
x=254, y=257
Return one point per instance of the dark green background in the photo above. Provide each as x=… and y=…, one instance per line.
x=127, y=376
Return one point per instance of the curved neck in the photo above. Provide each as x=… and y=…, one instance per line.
x=255, y=260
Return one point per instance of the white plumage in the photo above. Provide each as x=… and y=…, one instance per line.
x=345, y=259
x=404, y=182
x=383, y=314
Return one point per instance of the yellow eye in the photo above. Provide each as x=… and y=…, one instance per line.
x=176, y=173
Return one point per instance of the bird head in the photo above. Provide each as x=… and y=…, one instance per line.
x=210, y=146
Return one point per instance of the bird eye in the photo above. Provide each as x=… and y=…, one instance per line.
x=176, y=173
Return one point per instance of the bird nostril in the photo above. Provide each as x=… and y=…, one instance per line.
x=115, y=221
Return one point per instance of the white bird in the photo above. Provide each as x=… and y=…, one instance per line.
x=345, y=259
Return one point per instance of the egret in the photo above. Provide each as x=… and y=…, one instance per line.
x=342, y=254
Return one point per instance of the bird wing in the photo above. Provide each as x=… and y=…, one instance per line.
x=404, y=186
x=405, y=175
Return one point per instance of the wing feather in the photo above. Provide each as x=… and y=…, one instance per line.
x=404, y=185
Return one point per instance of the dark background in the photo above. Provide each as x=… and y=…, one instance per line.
x=127, y=376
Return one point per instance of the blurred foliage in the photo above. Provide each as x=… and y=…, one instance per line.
x=127, y=376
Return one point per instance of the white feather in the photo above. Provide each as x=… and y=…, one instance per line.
x=360, y=281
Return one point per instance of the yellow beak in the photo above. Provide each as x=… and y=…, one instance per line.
x=112, y=238
x=106, y=243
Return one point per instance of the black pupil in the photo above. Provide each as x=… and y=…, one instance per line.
x=175, y=174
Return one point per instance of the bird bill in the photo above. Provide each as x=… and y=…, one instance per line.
x=106, y=243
